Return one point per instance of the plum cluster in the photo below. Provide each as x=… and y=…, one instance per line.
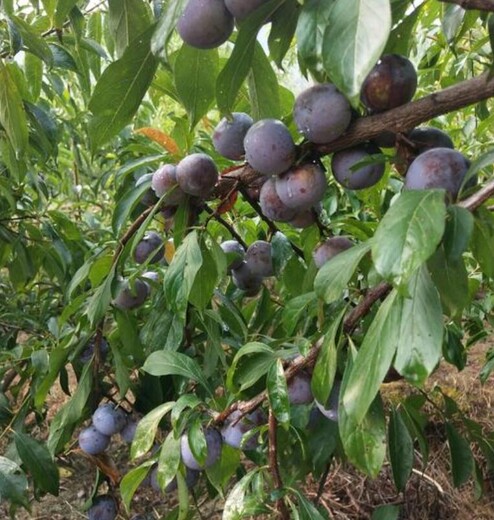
x=107, y=420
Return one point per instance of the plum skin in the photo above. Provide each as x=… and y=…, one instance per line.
x=427, y=137
x=299, y=391
x=245, y=280
x=197, y=174
x=269, y=147
x=343, y=162
x=233, y=248
x=322, y=113
x=164, y=180
x=228, y=136
x=205, y=24
x=92, y=441
x=391, y=83
x=213, y=443
x=271, y=205
x=240, y=9
x=330, y=248
x=259, y=258
x=104, y=507
x=236, y=427
x=301, y=187
x=438, y=168
x=109, y=420
x=128, y=299
x=150, y=249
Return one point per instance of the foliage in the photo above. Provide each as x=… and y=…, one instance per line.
x=95, y=96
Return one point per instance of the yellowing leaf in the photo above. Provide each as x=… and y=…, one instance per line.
x=161, y=138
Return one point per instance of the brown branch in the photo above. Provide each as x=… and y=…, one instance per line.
x=477, y=199
x=131, y=232
x=225, y=224
x=273, y=466
x=481, y=5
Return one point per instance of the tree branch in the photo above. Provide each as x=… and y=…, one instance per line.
x=481, y=5
x=477, y=199
x=273, y=465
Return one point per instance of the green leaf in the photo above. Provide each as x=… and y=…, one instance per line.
x=236, y=499
x=146, y=430
x=356, y=34
x=420, y=333
x=326, y=363
x=220, y=473
x=32, y=41
x=295, y=309
x=462, y=462
x=180, y=275
x=127, y=19
x=166, y=26
x=387, y=512
x=263, y=87
x=458, y=232
x=132, y=480
x=120, y=89
x=333, y=277
x=195, y=72
x=206, y=279
x=99, y=302
x=306, y=509
x=12, y=114
x=169, y=460
x=400, y=450
x=13, y=483
x=408, y=234
x=39, y=462
x=62, y=58
x=166, y=363
x=278, y=393
x=62, y=11
x=239, y=63
x=283, y=26
x=483, y=241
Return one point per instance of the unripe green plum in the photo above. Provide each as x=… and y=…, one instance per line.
x=149, y=249
x=427, y=137
x=164, y=180
x=259, y=258
x=235, y=253
x=269, y=147
x=229, y=135
x=92, y=441
x=330, y=248
x=205, y=24
x=130, y=298
x=299, y=391
x=301, y=187
x=245, y=280
x=271, y=205
x=213, y=446
x=438, y=168
x=322, y=113
x=197, y=174
x=240, y=9
x=391, y=83
x=343, y=166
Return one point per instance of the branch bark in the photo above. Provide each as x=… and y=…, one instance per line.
x=273, y=465
x=481, y=5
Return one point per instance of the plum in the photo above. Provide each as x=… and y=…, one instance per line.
x=205, y=24
x=301, y=187
x=240, y=9
x=299, y=391
x=109, y=419
x=129, y=430
x=191, y=478
x=330, y=409
x=149, y=249
x=391, y=83
x=229, y=134
x=259, y=258
x=438, y=168
x=129, y=298
x=235, y=428
x=322, y=113
x=92, y=441
x=246, y=280
x=104, y=507
x=343, y=165
x=213, y=447
x=427, y=137
x=269, y=147
x=88, y=351
x=329, y=248
x=197, y=174
x=304, y=219
x=271, y=205
x=164, y=180
x=149, y=198
x=235, y=254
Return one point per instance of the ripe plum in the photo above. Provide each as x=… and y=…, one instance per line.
x=271, y=205
x=197, y=174
x=229, y=134
x=329, y=248
x=344, y=162
x=92, y=441
x=213, y=443
x=108, y=419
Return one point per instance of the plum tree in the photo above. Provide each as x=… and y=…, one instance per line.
x=92, y=441
x=246, y=280
x=240, y=9
x=229, y=134
x=427, y=137
x=235, y=254
x=205, y=24
x=271, y=204
x=104, y=507
x=128, y=297
x=259, y=258
x=237, y=427
x=299, y=390
x=329, y=248
x=109, y=419
x=301, y=187
x=150, y=249
x=164, y=180
x=346, y=171
x=438, y=168
x=269, y=147
x=197, y=174
x=213, y=447
x=391, y=83
x=322, y=113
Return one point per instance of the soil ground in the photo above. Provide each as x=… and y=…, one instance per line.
x=348, y=495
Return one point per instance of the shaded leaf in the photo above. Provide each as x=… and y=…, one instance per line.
x=278, y=393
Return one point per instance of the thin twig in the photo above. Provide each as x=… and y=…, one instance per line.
x=226, y=225
x=477, y=199
x=322, y=484
x=273, y=466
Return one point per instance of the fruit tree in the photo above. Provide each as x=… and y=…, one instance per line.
x=225, y=225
